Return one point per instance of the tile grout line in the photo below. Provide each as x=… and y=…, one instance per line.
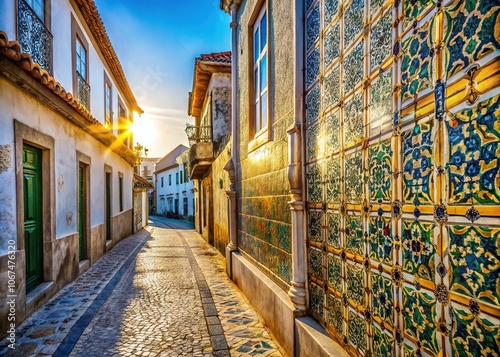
x=215, y=330
x=74, y=334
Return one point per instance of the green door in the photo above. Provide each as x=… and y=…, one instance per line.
x=33, y=236
x=81, y=214
x=108, y=206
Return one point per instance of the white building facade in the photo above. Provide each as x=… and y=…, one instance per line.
x=174, y=189
x=66, y=164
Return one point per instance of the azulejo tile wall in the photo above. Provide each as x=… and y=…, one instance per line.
x=403, y=175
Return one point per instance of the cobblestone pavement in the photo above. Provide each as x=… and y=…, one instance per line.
x=159, y=294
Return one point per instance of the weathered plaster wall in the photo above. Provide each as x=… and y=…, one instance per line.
x=221, y=184
x=220, y=88
x=263, y=214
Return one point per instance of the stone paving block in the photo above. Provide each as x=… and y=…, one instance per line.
x=219, y=342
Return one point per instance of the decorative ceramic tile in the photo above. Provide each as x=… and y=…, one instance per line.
x=331, y=9
x=312, y=27
x=332, y=139
x=315, y=218
x=314, y=187
x=312, y=142
x=334, y=230
x=474, y=154
x=419, y=249
x=380, y=172
x=469, y=32
x=413, y=9
x=381, y=239
x=416, y=64
x=309, y=3
x=335, y=272
x=353, y=68
x=381, y=40
x=317, y=301
x=419, y=316
x=335, y=315
x=382, y=298
x=375, y=6
x=354, y=235
x=312, y=67
x=316, y=263
x=333, y=181
x=356, y=327
x=332, y=44
x=474, y=334
x=354, y=177
x=355, y=284
x=353, y=21
x=418, y=163
x=353, y=120
x=380, y=108
x=383, y=343
x=332, y=89
x=475, y=262
x=312, y=103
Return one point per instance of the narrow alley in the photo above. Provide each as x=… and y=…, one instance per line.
x=160, y=292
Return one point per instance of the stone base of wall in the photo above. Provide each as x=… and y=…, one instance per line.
x=298, y=336
x=121, y=226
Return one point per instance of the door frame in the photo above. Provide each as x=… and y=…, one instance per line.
x=108, y=170
x=85, y=162
x=26, y=135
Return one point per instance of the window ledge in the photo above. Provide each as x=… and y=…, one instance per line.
x=261, y=138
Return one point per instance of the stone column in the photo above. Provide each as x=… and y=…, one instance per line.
x=297, y=291
x=232, y=217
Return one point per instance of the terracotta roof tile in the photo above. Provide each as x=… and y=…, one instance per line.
x=221, y=57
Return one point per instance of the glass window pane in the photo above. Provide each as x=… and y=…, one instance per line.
x=263, y=32
x=256, y=51
x=263, y=73
x=257, y=117
x=263, y=101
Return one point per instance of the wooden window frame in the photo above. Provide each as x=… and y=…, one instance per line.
x=107, y=83
x=77, y=33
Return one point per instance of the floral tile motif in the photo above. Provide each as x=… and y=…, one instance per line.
x=332, y=89
x=353, y=21
x=413, y=9
x=382, y=298
x=380, y=171
x=331, y=9
x=312, y=142
x=355, y=284
x=353, y=120
x=381, y=40
x=316, y=263
x=335, y=273
x=332, y=44
x=354, y=177
x=380, y=108
x=474, y=334
x=312, y=27
x=416, y=65
x=468, y=32
x=335, y=315
x=353, y=68
x=314, y=186
x=333, y=183
x=375, y=6
x=418, y=164
x=312, y=103
x=332, y=139
x=317, y=301
x=312, y=67
x=383, y=343
x=334, y=230
x=381, y=240
x=475, y=262
x=356, y=330
x=354, y=235
x=474, y=155
x=419, y=249
x=315, y=218
x=419, y=316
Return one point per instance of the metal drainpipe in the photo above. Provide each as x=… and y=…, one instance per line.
x=235, y=152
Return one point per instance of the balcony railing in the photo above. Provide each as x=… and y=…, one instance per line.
x=198, y=134
x=34, y=37
x=83, y=91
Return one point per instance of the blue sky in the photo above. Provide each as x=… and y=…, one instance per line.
x=157, y=42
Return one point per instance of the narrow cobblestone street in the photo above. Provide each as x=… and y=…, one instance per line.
x=160, y=292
